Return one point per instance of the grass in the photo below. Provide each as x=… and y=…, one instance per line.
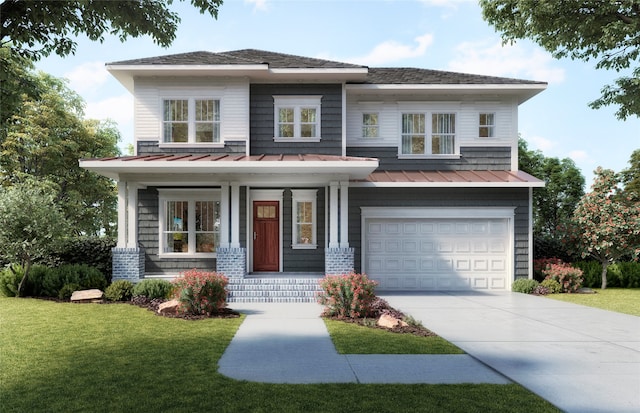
x=114, y=358
x=621, y=300
x=350, y=338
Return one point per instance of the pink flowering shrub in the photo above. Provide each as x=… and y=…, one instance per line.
x=541, y=264
x=570, y=278
x=201, y=292
x=347, y=296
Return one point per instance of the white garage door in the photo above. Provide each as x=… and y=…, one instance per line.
x=438, y=254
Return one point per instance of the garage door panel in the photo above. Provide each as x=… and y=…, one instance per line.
x=437, y=254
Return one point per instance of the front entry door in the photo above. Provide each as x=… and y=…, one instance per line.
x=266, y=236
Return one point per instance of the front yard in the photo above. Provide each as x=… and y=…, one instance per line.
x=621, y=300
x=59, y=357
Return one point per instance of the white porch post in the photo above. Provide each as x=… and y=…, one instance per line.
x=333, y=215
x=235, y=215
x=344, y=214
x=122, y=214
x=132, y=215
x=224, y=216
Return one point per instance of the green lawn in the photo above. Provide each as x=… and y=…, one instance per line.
x=355, y=339
x=118, y=358
x=621, y=300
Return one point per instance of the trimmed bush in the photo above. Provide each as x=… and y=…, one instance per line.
x=524, y=285
x=569, y=278
x=67, y=290
x=591, y=273
x=201, y=292
x=551, y=285
x=92, y=251
x=541, y=264
x=84, y=276
x=347, y=296
x=624, y=274
x=119, y=290
x=153, y=289
x=10, y=278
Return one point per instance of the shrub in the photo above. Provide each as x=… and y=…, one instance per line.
x=119, y=290
x=627, y=274
x=551, y=285
x=524, y=285
x=570, y=278
x=84, y=276
x=542, y=264
x=540, y=290
x=67, y=290
x=10, y=278
x=591, y=273
x=92, y=251
x=347, y=296
x=201, y=292
x=153, y=289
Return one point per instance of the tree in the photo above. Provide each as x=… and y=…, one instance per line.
x=608, y=31
x=554, y=204
x=631, y=176
x=604, y=225
x=30, y=223
x=44, y=141
x=35, y=29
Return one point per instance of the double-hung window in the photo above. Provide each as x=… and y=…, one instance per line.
x=189, y=222
x=487, y=125
x=192, y=120
x=370, y=125
x=304, y=218
x=297, y=118
x=428, y=134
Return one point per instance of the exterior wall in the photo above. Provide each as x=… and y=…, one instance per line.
x=391, y=107
x=128, y=264
x=444, y=197
x=153, y=147
x=148, y=239
x=233, y=95
x=471, y=158
x=262, y=119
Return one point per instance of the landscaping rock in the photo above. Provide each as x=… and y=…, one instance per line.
x=169, y=307
x=87, y=296
x=388, y=321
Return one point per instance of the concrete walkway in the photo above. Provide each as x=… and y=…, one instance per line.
x=580, y=359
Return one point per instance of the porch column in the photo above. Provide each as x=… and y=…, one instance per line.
x=235, y=215
x=344, y=214
x=132, y=215
x=122, y=214
x=333, y=215
x=224, y=216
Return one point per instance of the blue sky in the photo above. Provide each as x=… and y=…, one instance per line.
x=432, y=34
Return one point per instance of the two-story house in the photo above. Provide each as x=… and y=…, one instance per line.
x=253, y=163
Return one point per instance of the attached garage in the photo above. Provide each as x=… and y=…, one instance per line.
x=438, y=249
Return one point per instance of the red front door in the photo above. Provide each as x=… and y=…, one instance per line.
x=266, y=236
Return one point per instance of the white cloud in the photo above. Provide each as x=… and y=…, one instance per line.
x=117, y=108
x=88, y=77
x=509, y=60
x=392, y=51
x=258, y=5
x=540, y=143
x=579, y=155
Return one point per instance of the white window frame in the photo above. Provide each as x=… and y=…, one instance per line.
x=191, y=197
x=304, y=195
x=192, y=122
x=297, y=103
x=491, y=128
x=376, y=127
x=428, y=135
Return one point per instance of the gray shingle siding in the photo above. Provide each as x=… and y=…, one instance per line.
x=153, y=147
x=471, y=158
x=262, y=119
x=443, y=197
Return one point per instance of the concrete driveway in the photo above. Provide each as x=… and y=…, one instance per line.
x=581, y=359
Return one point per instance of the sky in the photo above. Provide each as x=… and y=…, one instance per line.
x=431, y=34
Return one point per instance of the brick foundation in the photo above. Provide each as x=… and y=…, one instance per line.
x=232, y=262
x=338, y=261
x=128, y=264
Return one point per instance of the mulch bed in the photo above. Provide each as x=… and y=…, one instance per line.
x=152, y=305
x=419, y=331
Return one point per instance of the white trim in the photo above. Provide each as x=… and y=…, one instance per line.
x=296, y=140
x=191, y=98
x=344, y=120
x=304, y=195
x=122, y=214
x=297, y=103
x=132, y=215
x=264, y=195
x=413, y=108
x=447, y=184
x=333, y=215
x=225, y=213
x=235, y=215
x=530, y=238
x=344, y=214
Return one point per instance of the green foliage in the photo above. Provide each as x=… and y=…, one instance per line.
x=569, y=278
x=347, y=296
x=524, y=285
x=201, y=292
x=67, y=290
x=119, y=290
x=82, y=275
x=92, y=251
x=153, y=289
x=10, y=277
x=608, y=31
x=605, y=226
x=630, y=177
x=591, y=273
x=551, y=285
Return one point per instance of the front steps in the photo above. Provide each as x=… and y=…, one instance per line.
x=274, y=289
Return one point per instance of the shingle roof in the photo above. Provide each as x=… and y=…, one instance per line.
x=410, y=75
x=240, y=57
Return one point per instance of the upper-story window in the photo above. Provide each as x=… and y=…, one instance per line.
x=420, y=137
x=487, y=125
x=191, y=120
x=297, y=118
x=370, y=125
